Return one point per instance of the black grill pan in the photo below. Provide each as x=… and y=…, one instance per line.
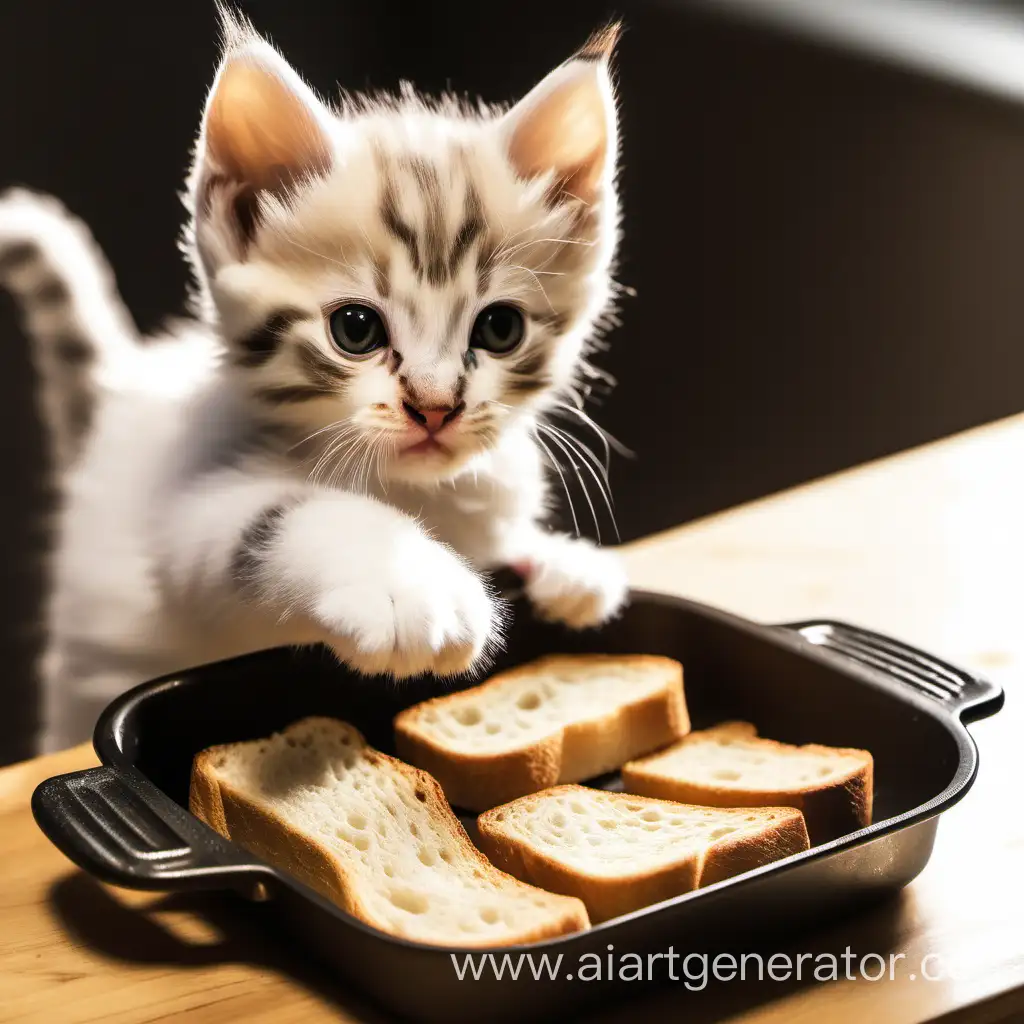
x=127, y=823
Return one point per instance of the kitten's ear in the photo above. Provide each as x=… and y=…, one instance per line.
x=263, y=128
x=566, y=125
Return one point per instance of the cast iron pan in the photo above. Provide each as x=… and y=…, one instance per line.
x=127, y=823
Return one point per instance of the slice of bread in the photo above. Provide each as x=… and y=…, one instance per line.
x=563, y=718
x=730, y=766
x=618, y=852
x=372, y=835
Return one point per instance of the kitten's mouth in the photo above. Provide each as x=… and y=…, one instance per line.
x=429, y=445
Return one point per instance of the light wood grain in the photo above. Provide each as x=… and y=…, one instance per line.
x=928, y=546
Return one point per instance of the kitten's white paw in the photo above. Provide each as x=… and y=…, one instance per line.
x=423, y=611
x=575, y=582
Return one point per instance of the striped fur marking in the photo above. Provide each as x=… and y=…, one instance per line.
x=52, y=291
x=260, y=344
x=72, y=350
x=79, y=408
x=293, y=394
x=411, y=311
x=470, y=230
x=555, y=322
x=528, y=375
x=435, y=258
x=243, y=203
x=249, y=556
x=392, y=220
x=381, y=265
x=484, y=268
x=321, y=370
x=434, y=240
x=455, y=315
x=432, y=247
x=16, y=256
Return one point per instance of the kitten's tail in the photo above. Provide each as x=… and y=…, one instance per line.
x=69, y=306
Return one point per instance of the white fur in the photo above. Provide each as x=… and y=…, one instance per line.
x=378, y=556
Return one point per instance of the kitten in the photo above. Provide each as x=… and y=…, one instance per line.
x=391, y=294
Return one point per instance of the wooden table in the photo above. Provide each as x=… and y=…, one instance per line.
x=928, y=546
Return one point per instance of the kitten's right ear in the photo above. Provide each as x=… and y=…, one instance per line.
x=264, y=130
x=566, y=127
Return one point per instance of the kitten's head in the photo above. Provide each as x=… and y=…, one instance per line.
x=410, y=279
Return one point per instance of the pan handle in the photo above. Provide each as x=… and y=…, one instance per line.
x=966, y=695
x=118, y=826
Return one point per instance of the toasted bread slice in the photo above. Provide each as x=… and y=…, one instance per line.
x=730, y=766
x=372, y=835
x=563, y=718
x=618, y=852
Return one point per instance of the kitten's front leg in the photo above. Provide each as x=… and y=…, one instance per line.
x=568, y=579
x=353, y=572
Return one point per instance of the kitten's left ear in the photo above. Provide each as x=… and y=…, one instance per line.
x=264, y=129
x=566, y=126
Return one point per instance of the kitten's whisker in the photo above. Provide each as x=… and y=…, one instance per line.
x=324, y=463
x=586, y=421
x=373, y=457
x=339, y=471
x=320, y=255
x=589, y=462
x=342, y=467
x=537, y=281
x=561, y=476
x=330, y=450
x=341, y=457
x=317, y=433
x=340, y=431
x=575, y=468
x=551, y=259
x=512, y=250
x=361, y=464
x=603, y=486
x=387, y=445
x=336, y=429
x=506, y=242
x=324, y=456
x=608, y=439
x=577, y=445
x=371, y=450
x=377, y=455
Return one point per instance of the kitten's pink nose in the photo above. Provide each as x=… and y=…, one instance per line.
x=435, y=417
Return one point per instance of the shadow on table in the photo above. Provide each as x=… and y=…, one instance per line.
x=190, y=930
x=208, y=928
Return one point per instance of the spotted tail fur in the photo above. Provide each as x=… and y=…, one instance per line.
x=69, y=307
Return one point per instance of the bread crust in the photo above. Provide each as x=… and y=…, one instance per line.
x=606, y=897
x=258, y=829
x=840, y=806
x=578, y=751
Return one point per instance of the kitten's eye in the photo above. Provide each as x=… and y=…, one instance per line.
x=498, y=329
x=357, y=330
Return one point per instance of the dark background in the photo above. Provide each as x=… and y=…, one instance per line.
x=827, y=248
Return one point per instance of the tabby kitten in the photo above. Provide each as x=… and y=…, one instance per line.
x=391, y=294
